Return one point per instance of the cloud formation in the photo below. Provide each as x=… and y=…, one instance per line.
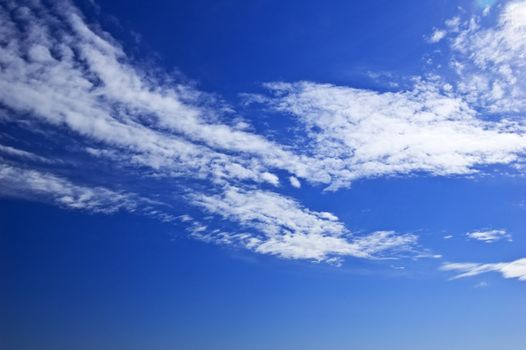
x=356, y=133
x=488, y=57
x=515, y=269
x=57, y=71
x=36, y=185
x=489, y=236
x=55, y=68
x=291, y=231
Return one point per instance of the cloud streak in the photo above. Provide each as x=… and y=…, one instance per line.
x=291, y=231
x=36, y=185
x=514, y=269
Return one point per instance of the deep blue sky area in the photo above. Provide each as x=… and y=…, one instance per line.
x=110, y=239
x=233, y=46
x=95, y=282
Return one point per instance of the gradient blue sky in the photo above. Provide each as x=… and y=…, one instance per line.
x=262, y=175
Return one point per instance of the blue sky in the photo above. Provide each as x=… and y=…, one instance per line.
x=262, y=174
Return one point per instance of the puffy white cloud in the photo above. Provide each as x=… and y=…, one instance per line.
x=515, y=269
x=294, y=182
x=489, y=236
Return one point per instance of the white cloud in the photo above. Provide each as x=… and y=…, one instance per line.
x=489, y=236
x=356, y=133
x=291, y=231
x=270, y=178
x=165, y=126
x=32, y=184
x=489, y=59
x=15, y=152
x=482, y=284
x=437, y=36
x=69, y=75
x=515, y=269
x=452, y=25
x=294, y=182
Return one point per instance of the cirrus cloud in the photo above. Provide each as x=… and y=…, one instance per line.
x=514, y=269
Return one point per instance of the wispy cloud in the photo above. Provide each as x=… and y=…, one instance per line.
x=18, y=153
x=482, y=284
x=71, y=76
x=489, y=236
x=32, y=184
x=515, y=269
x=437, y=36
x=291, y=231
x=355, y=133
x=488, y=59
